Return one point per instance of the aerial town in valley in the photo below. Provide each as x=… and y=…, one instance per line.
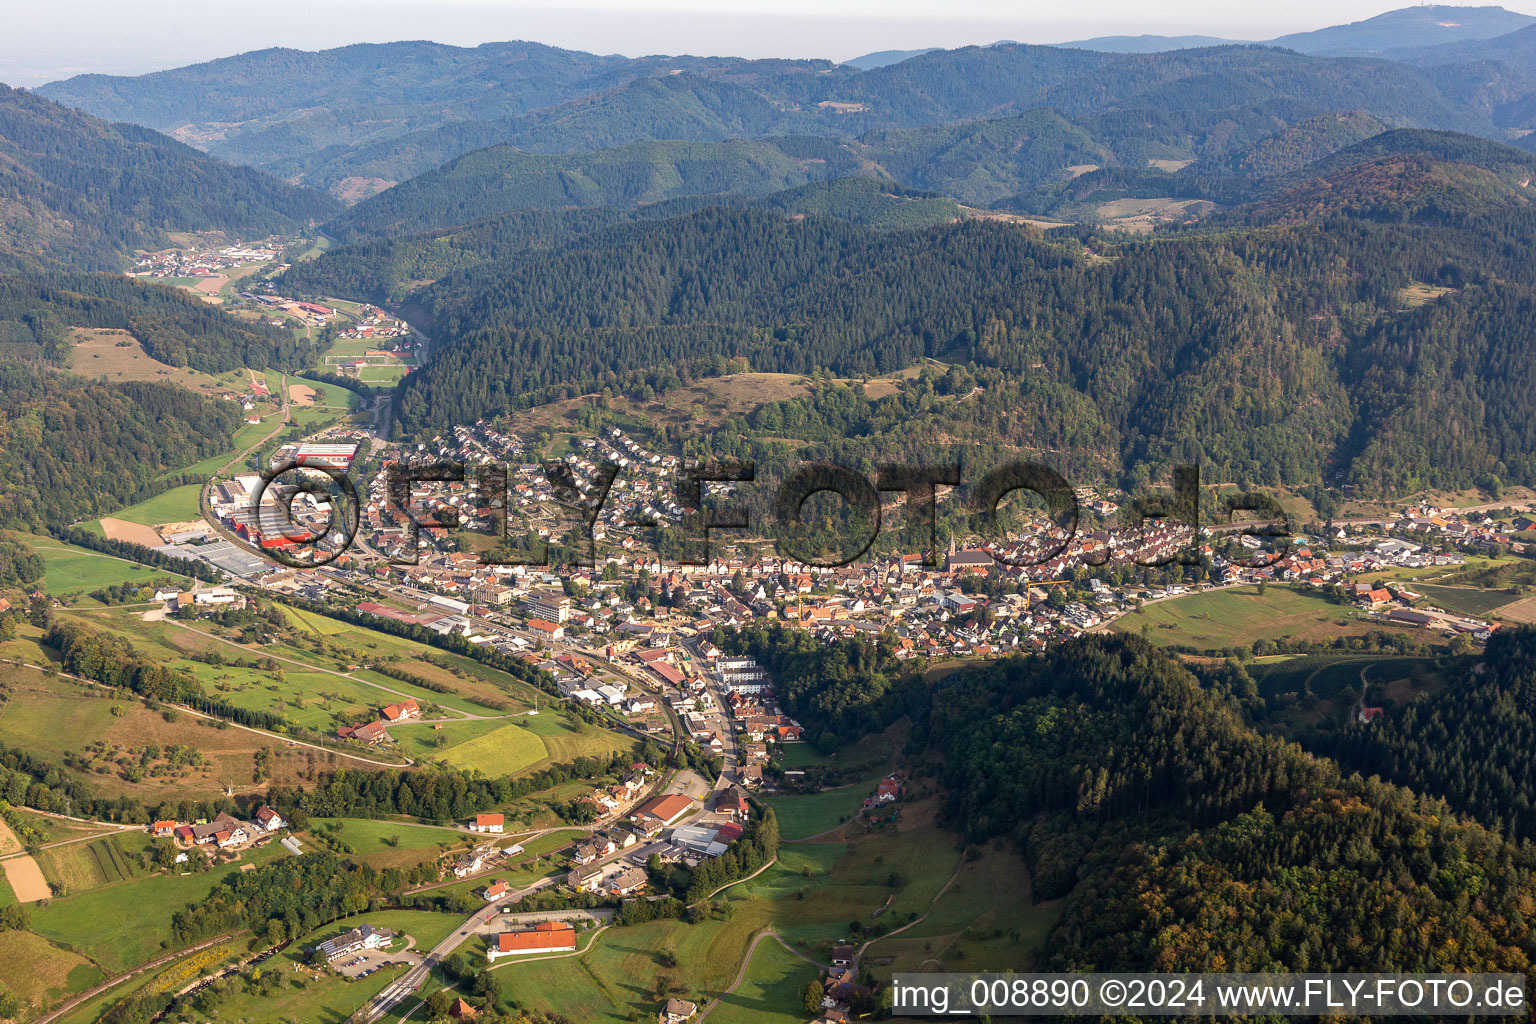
x=494, y=532
x=960, y=602
x=641, y=645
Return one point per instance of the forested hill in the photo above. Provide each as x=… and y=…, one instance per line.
x=362, y=118
x=83, y=191
x=389, y=270
x=1171, y=828
x=1275, y=355
x=1402, y=175
x=36, y=309
x=978, y=162
x=75, y=449
x=500, y=179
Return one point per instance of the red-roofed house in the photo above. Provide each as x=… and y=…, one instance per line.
x=489, y=823
x=549, y=937
x=368, y=732
x=405, y=709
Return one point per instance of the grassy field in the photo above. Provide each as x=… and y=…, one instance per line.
x=985, y=921
x=124, y=924
x=801, y=817
x=118, y=356
x=505, y=751
x=387, y=844
x=58, y=718
x=772, y=992
x=35, y=970
x=1237, y=616
x=567, y=738
x=858, y=768
x=245, y=437
x=88, y=865
x=177, y=505
x=1466, y=600
x=68, y=569
x=319, y=624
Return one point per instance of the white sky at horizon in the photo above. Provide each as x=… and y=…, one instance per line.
x=43, y=42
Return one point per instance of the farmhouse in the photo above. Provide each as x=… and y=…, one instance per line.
x=269, y=820
x=368, y=732
x=400, y=712
x=549, y=937
x=677, y=1011
x=209, y=832
x=494, y=823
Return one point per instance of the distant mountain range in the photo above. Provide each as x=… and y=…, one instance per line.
x=357, y=120
x=881, y=58
x=76, y=188
x=1409, y=28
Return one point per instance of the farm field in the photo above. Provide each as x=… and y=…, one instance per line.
x=508, y=749
x=77, y=867
x=177, y=505
x=68, y=569
x=772, y=991
x=124, y=924
x=1237, y=616
x=1467, y=600
x=35, y=970
x=320, y=696
x=567, y=738
x=25, y=879
x=440, y=741
x=55, y=718
x=118, y=356
x=387, y=844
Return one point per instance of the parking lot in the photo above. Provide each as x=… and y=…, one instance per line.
x=361, y=965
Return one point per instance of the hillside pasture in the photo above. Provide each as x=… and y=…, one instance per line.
x=1235, y=617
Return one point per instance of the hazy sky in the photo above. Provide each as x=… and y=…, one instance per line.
x=43, y=41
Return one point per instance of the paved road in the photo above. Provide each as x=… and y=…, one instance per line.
x=409, y=982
